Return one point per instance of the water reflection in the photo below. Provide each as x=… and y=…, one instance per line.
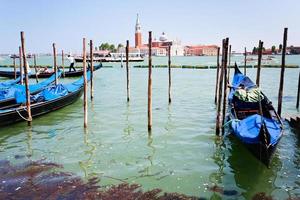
x=87, y=164
x=29, y=142
x=129, y=128
x=219, y=158
x=250, y=175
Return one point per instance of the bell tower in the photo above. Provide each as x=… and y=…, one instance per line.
x=138, y=34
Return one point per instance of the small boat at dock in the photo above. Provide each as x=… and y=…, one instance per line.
x=114, y=57
x=254, y=121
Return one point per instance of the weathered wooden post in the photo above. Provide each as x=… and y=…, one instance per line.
x=260, y=47
x=85, y=85
x=229, y=62
x=63, y=62
x=21, y=68
x=280, y=93
x=298, y=94
x=92, y=68
x=26, y=79
x=150, y=83
x=127, y=71
x=225, y=82
x=15, y=72
x=245, y=65
x=35, y=69
x=169, y=66
x=220, y=92
x=54, y=62
x=217, y=78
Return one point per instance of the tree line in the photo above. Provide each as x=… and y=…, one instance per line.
x=109, y=47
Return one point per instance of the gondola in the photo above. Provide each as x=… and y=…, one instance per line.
x=49, y=99
x=8, y=95
x=254, y=121
x=11, y=74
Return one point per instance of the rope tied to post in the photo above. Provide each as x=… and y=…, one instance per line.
x=24, y=118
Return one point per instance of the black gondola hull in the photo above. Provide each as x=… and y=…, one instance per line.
x=37, y=109
x=11, y=74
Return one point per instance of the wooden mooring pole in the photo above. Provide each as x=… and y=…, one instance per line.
x=35, y=69
x=54, y=62
x=21, y=65
x=150, y=83
x=259, y=56
x=225, y=83
x=92, y=68
x=169, y=67
x=217, y=78
x=229, y=62
x=245, y=64
x=127, y=71
x=15, y=72
x=29, y=119
x=280, y=93
x=63, y=62
x=85, y=84
x=220, y=92
x=298, y=94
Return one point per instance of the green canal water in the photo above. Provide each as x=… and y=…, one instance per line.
x=182, y=154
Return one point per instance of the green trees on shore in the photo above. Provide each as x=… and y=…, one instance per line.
x=110, y=47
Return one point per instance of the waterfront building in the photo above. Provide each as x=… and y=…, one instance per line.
x=201, y=50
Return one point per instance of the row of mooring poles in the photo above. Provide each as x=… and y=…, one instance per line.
x=259, y=57
x=149, y=113
x=222, y=81
x=29, y=119
x=150, y=82
x=15, y=71
x=280, y=93
x=245, y=62
x=298, y=93
x=229, y=62
x=35, y=68
x=21, y=68
x=54, y=62
x=22, y=54
x=127, y=71
x=225, y=82
x=63, y=62
x=218, y=72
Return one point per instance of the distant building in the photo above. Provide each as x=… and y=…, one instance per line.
x=201, y=50
x=159, y=47
x=293, y=50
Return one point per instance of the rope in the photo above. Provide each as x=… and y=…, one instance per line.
x=21, y=115
x=224, y=125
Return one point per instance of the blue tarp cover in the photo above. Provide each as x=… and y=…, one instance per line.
x=18, y=91
x=247, y=130
x=59, y=90
x=9, y=83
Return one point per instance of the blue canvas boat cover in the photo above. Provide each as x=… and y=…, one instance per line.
x=9, y=83
x=18, y=91
x=238, y=80
x=247, y=130
x=59, y=90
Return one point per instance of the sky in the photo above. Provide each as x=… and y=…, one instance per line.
x=66, y=22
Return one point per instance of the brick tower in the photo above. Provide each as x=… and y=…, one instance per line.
x=138, y=34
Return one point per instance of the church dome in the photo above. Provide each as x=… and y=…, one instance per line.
x=163, y=37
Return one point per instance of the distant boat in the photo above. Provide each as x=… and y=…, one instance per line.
x=14, y=56
x=11, y=74
x=113, y=57
x=253, y=118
